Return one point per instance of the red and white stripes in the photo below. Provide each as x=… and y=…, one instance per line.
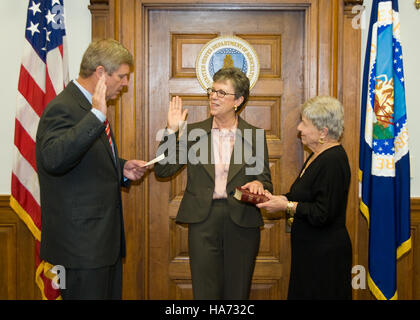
x=38, y=84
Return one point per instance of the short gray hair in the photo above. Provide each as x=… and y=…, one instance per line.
x=325, y=112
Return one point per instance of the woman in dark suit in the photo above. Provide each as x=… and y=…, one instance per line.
x=224, y=152
x=316, y=206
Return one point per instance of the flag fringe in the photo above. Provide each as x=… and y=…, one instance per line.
x=26, y=218
x=377, y=292
x=363, y=207
x=44, y=269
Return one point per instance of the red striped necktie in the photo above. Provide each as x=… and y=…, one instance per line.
x=108, y=133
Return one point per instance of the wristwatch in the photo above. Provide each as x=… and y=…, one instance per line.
x=290, y=214
x=289, y=208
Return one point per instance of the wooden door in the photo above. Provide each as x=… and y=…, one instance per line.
x=174, y=40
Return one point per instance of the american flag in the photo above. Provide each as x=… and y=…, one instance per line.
x=43, y=74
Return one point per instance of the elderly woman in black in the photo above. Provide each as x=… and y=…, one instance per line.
x=223, y=233
x=316, y=207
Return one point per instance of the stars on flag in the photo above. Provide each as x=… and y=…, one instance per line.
x=383, y=146
x=398, y=60
x=50, y=17
x=45, y=25
x=35, y=8
x=33, y=28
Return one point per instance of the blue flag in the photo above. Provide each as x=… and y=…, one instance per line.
x=384, y=158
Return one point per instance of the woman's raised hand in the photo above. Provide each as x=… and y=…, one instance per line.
x=175, y=114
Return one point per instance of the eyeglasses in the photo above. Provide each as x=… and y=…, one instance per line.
x=220, y=93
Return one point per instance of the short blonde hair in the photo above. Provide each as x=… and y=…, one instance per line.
x=325, y=112
x=108, y=53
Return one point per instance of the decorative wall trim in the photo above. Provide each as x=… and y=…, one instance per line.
x=346, y=2
x=5, y=201
x=350, y=2
x=94, y=2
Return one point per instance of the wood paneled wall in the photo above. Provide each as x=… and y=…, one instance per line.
x=17, y=256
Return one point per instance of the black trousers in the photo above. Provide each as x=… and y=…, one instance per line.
x=94, y=284
x=222, y=256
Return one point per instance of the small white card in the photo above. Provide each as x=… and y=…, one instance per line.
x=161, y=157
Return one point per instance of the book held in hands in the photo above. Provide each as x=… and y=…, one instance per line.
x=247, y=196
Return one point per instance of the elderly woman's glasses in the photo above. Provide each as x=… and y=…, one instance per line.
x=220, y=93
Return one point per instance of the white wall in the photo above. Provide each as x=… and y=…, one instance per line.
x=78, y=27
x=12, y=32
x=410, y=30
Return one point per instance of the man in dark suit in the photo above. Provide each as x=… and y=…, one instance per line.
x=80, y=177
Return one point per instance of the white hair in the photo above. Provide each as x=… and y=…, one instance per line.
x=325, y=112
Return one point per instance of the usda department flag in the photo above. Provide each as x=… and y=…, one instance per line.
x=384, y=157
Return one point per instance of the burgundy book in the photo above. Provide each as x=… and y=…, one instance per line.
x=246, y=196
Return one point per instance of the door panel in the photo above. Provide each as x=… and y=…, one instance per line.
x=174, y=40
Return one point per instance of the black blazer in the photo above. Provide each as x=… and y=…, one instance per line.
x=196, y=203
x=82, y=223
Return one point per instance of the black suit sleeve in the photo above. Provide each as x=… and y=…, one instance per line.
x=125, y=182
x=63, y=141
x=172, y=145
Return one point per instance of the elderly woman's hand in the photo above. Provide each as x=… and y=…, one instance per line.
x=175, y=114
x=274, y=204
x=255, y=187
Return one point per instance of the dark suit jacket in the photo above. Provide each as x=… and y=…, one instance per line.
x=196, y=203
x=82, y=223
